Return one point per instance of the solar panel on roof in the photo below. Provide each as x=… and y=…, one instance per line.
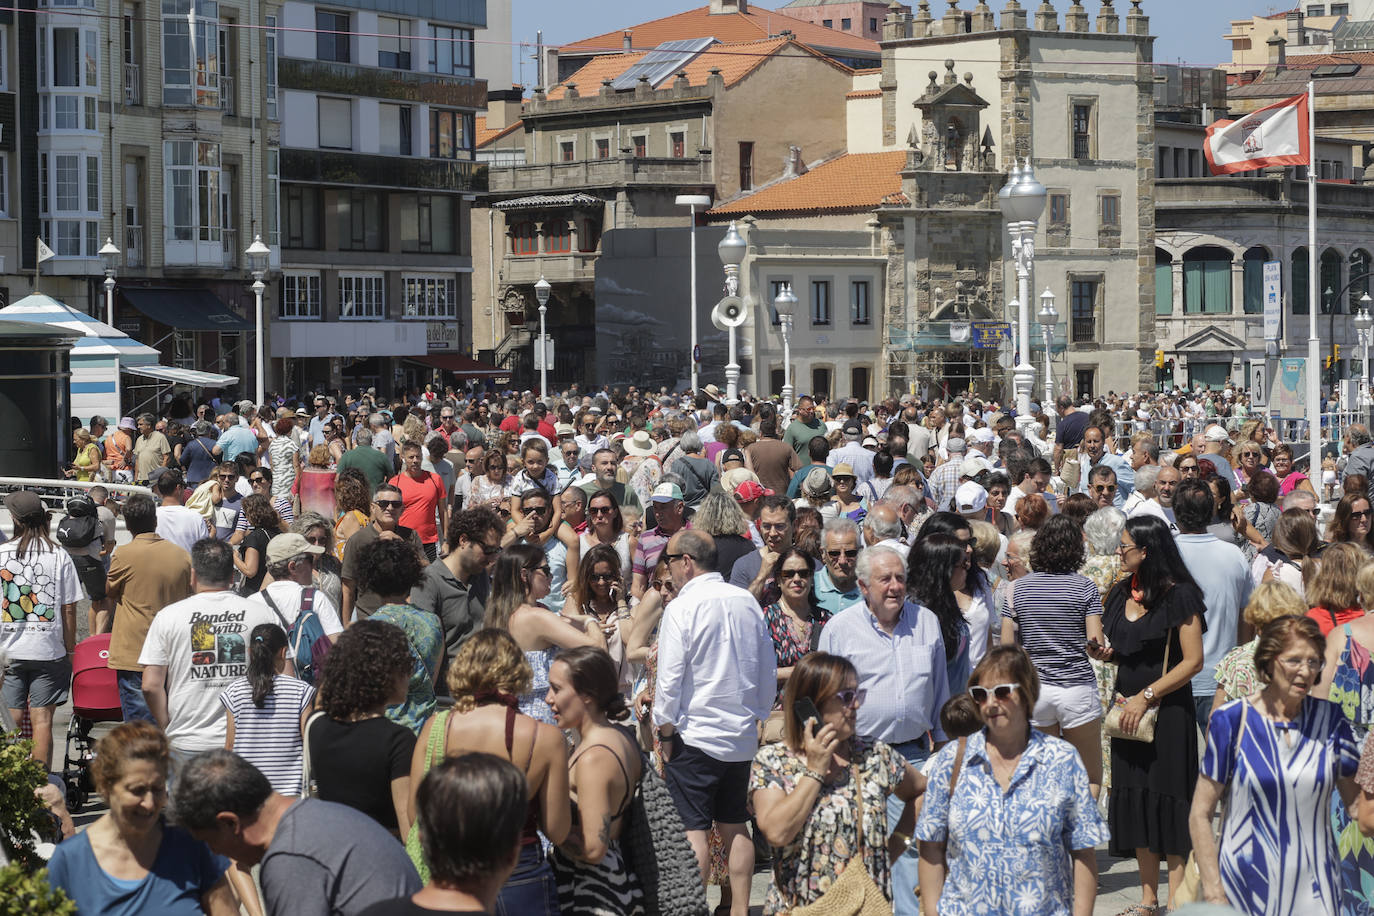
x=662, y=62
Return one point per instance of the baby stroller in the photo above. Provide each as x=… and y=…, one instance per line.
x=95, y=698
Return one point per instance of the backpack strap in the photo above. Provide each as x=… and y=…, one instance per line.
x=275, y=610
x=958, y=765
x=308, y=599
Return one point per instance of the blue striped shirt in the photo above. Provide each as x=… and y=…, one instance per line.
x=1051, y=612
x=270, y=738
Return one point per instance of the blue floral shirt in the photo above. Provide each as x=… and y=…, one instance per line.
x=1010, y=853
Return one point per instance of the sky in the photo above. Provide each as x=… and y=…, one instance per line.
x=1187, y=31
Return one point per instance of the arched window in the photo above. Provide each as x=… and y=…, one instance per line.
x=1253, y=300
x=1298, y=287
x=1207, y=281
x=523, y=239
x=1164, y=282
x=1330, y=280
x=1360, y=266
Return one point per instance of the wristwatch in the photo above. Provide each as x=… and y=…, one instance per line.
x=1149, y=694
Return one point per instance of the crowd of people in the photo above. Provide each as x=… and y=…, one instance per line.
x=429, y=655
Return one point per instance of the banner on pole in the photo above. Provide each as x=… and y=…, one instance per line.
x=989, y=335
x=1273, y=135
x=1273, y=300
x=1288, y=392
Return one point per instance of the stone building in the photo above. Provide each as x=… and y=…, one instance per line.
x=857, y=17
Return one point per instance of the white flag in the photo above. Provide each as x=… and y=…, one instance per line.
x=1274, y=135
x=44, y=252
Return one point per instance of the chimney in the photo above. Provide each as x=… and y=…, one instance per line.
x=1013, y=16
x=626, y=44
x=503, y=107
x=1047, y=18
x=1278, y=53
x=728, y=6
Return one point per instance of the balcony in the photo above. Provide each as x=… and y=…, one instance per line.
x=228, y=99
x=134, y=251
x=596, y=173
x=133, y=84
x=1084, y=330
x=229, y=239
x=561, y=267
x=379, y=83
x=359, y=169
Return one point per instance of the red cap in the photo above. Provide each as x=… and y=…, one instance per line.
x=751, y=490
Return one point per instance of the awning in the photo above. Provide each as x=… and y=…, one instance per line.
x=185, y=309
x=460, y=365
x=193, y=377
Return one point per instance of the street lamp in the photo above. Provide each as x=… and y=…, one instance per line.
x=731, y=250
x=1022, y=200
x=541, y=292
x=785, y=304
x=257, y=254
x=109, y=254
x=1363, y=323
x=692, y=201
x=1048, y=319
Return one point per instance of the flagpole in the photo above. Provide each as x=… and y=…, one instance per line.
x=1314, y=407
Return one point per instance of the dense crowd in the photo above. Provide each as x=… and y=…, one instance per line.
x=449, y=652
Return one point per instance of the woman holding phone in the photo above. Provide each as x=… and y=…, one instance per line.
x=601, y=599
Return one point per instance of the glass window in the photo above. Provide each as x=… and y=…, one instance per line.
x=393, y=45
x=558, y=236
x=775, y=288
x=394, y=123
x=746, y=166
x=1083, y=302
x=450, y=51
x=858, y=302
x=362, y=296
x=1111, y=211
x=362, y=220
x=641, y=146
x=523, y=238
x=331, y=36
x=301, y=217
x=1206, y=284
x=1253, y=281
x=1082, y=130
x=336, y=123
x=430, y=297
x=603, y=149
x=67, y=180
x=300, y=295
x=450, y=133
x=1059, y=208
x=566, y=151
x=68, y=186
x=66, y=54
x=820, y=301
x=270, y=42
x=1300, y=282
x=678, y=142
x=273, y=198
x=429, y=223
x=186, y=81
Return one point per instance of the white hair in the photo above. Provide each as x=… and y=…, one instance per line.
x=864, y=566
x=1103, y=530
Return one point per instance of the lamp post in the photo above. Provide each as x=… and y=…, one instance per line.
x=109, y=254
x=785, y=304
x=1022, y=200
x=257, y=254
x=1363, y=323
x=541, y=292
x=1048, y=319
x=731, y=250
x=692, y=201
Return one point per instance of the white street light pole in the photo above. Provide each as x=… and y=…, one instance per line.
x=109, y=254
x=541, y=292
x=1363, y=323
x=258, y=253
x=692, y=201
x=1048, y=319
x=1022, y=201
x=785, y=304
x=731, y=250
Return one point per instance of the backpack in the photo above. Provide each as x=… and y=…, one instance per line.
x=81, y=526
x=309, y=644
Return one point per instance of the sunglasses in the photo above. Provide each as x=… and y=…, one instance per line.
x=257, y=480
x=1002, y=692
x=1364, y=514
x=490, y=550
x=795, y=574
x=543, y=569
x=603, y=577
x=670, y=557
x=390, y=503
x=665, y=585
x=601, y=510
x=319, y=540
x=536, y=509
x=852, y=698
x=847, y=554
x=1099, y=488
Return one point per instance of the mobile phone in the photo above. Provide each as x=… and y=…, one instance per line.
x=1094, y=644
x=805, y=709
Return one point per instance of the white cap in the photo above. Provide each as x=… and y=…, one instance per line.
x=970, y=498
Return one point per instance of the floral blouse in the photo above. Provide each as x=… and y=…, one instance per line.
x=787, y=643
x=804, y=869
x=1010, y=852
x=1236, y=671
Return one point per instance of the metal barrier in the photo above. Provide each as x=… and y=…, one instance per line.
x=45, y=487
x=1174, y=433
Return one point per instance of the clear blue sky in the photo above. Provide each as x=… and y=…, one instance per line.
x=1187, y=31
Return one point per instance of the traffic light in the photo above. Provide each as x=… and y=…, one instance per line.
x=1329, y=362
x=1337, y=349
x=1159, y=359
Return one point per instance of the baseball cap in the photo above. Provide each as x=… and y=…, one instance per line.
x=983, y=435
x=285, y=546
x=955, y=446
x=666, y=493
x=23, y=504
x=732, y=454
x=1217, y=434
x=853, y=428
x=973, y=466
x=968, y=498
x=751, y=490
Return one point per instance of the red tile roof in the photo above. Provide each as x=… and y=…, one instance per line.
x=485, y=136
x=847, y=183
x=864, y=94
x=755, y=24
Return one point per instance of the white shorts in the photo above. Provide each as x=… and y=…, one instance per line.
x=1066, y=707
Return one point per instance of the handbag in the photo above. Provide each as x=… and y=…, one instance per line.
x=854, y=892
x=1145, y=729
x=1190, y=890
x=307, y=789
x=654, y=844
x=434, y=753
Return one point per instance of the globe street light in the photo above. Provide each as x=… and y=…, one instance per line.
x=257, y=254
x=541, y=292
x=1048, y=319
x=731, y=250
x=109, y=254
x=692, y=201
x=1363, y=323
x=785, y=304
x=1022, y=200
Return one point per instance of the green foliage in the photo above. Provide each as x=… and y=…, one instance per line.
x=21, y=812
x=25, y=893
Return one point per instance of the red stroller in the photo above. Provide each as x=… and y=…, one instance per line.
x=95, y=698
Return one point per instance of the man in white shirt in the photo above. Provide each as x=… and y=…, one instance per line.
x=853, y=453
x=291, y=564
x=175, y=522
x=1161, y=499
x=883, y=528
x=717, y=678
x=382, y=440
x=197, y=647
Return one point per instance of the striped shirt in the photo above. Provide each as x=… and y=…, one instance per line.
x=1051, y=612
x=270, y=738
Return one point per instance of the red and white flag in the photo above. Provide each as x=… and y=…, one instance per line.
x=1274, y=135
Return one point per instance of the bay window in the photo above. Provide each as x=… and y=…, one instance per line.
x=187, y=81
x=69, y=203
x=192, y=179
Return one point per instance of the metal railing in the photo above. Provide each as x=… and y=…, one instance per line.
x=229, y=240
x=53, y=492
x=133, y=246
x=1084, y=330
x=133, y=84
x=228, y=100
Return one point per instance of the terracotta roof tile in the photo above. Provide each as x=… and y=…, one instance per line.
x=755, y=24
x=485, y=136
x=864, y=94
x=854, y=181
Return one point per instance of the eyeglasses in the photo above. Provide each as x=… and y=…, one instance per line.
x=390, y=503
x=1296, y=664
x=665, y=585
x=796, y=574
x=603, y=577
x=1126, y=548
x=670, y=557
x=1002, y=692
x=601, y=510
x=852, y=698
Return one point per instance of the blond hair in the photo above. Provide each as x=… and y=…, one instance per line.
x=987, y=540
x=1272, y=600
x=489, y=662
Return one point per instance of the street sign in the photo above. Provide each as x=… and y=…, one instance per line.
x=546, y=362
x=989, y=335
x=696, y=353
x=1273, y=300
x=1259, y=387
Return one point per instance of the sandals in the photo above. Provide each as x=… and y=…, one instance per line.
x=1140, y=909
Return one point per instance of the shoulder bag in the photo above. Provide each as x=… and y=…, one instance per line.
x=307, y=788
x=1145, y=729
x=854, y=892
x=953, y=781
x=434, y=753
x=654, y=844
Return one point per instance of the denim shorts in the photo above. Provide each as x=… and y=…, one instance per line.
x=37, y=683
x=531, y=890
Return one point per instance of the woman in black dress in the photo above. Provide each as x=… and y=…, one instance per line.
x=1156, y=609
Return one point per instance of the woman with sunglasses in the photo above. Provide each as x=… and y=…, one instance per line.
x=1187, y=466
x=1008, y=773
x=603, y=600
x=518, y=584
x=490, y=488
x=1154, y=619
x=1249, y=462
x=315, y=528
x=1285, y=758
x=1351, y=523
x=815, y=791
x=1290, y=478
x=606, y=527
x=795, y=619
